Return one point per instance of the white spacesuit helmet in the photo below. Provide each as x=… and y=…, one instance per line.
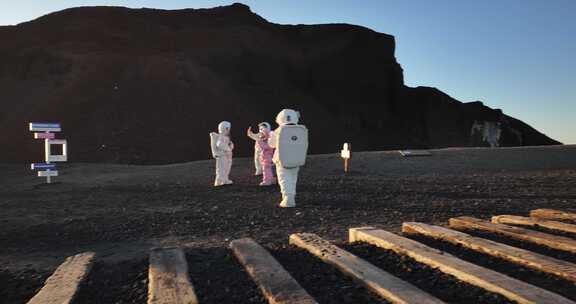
x=287, y=116
x=224, y=127
x=264, y=125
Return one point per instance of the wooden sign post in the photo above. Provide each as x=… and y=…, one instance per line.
x=346, y=154
x=47, y=169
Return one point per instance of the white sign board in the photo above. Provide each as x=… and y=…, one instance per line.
x=346, y=153
x=56, y=157
x=48, y=173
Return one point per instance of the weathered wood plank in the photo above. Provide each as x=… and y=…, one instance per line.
x=168, y=280
x=412, y=153
x=526, y=258
x=553, y=214
x=533, y=221
x=62, y=286
x=540, y=238
x=274, y=281
x=490, y=280
x=380, y=282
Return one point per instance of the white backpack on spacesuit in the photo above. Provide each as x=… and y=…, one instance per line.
x=213, y=140
x=291, y=145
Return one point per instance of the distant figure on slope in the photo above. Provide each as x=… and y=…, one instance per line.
x=222, y=148
x=291, y=142
x=264, y=151
x=492, y=133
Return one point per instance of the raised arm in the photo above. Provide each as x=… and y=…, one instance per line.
x=252, y=135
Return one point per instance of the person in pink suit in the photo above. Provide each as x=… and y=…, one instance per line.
x=266, y=153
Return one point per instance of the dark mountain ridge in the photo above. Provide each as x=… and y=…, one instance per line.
x=147, y=85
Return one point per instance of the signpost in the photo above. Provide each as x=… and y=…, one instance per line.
x=346, y=154
x=47, y=169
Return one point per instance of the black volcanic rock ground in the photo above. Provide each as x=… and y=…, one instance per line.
x=146, y=86
x=120, y=211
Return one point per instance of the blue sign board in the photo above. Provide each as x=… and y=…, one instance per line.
x=44, y=127
x=43, y=166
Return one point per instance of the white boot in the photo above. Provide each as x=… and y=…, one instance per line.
x=288, y=201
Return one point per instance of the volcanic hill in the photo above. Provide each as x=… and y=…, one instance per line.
x=146, y=86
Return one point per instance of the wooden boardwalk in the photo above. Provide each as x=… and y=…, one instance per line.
x=490, y=280
x=169, y=281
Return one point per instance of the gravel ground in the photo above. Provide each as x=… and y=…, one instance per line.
x=120, y=211
x=120, y=283
x=219, y=278
x=20, y=286
x=323, y=282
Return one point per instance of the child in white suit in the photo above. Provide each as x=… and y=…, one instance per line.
x=222, y=148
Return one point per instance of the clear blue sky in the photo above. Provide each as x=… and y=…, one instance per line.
x=517, y=55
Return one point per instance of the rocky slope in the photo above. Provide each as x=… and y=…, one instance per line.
x=146, y=86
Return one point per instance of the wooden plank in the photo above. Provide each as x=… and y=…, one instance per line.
x=553, y=214
x=274, y=281
x=540, y=238
x=62, y=286
x=535, y=222
x=380, y=282
x=526, y=258
x=490, y=280
x=411, y=153
x=168, y=280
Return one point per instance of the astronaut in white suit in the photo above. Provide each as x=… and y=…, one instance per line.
x=222, y=148
x=291, y=142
